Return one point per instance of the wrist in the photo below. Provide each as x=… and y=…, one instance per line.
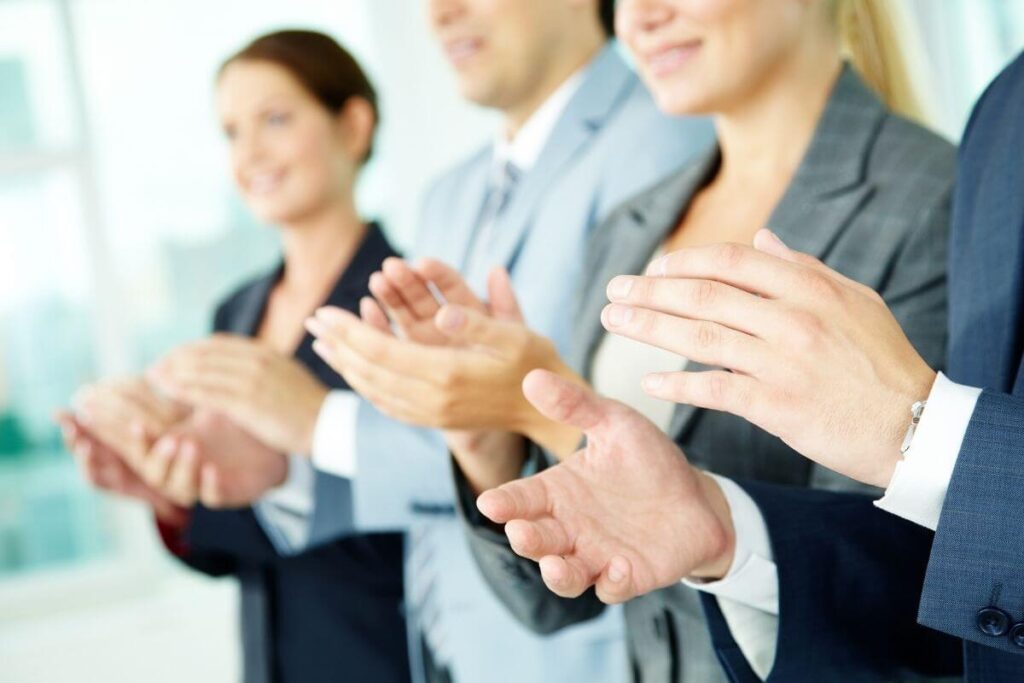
x=721, y=534
x=304, y=441
x=903, y=421
x=487, y=459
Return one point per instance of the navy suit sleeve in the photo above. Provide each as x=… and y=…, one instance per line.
x=850, y=579
x=977, y=560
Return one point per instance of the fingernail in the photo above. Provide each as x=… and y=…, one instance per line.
x=620, y=287
x=653, y=382
x=321, y=349
x=615, y=573
x=657, y=267
x=775, y=238
x=619, y=315
x=315, y=327
x=452, y=319
x=329, y=314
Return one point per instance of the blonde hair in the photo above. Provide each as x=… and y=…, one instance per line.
x=869, y=38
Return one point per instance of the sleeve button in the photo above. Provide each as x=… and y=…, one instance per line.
x=993, y=621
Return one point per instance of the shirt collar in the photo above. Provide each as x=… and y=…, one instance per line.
x=523, y=150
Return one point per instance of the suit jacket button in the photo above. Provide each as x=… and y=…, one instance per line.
x=993, y=621
x=1017, y=634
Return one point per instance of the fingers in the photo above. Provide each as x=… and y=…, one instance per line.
x=346, y=337
x=398, y=395
x=502, y=297
x=615, y=585
x=769, y=243
x=524, y=499
x=182, y=485
x=697, y=340
x=394, y=305
x=737, y=265
x=211, y=487
x=713, y=389
x=563, y=401
x=698, y=300
x=450, y=283
x=411, y=288
x=535, y=539
x=567, y=576
x=466, y=326
x=371, y=313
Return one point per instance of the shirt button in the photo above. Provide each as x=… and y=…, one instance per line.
x=993, y=621
x=1017, y=634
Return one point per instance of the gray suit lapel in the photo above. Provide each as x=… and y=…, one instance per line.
x=827, y=190
x=605, y=83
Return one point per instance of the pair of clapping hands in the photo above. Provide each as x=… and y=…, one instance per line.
x=806, y=354
x=209, y=423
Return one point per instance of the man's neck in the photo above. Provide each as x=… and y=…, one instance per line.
x=516, y=115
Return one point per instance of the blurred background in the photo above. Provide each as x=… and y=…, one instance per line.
x=119, y=229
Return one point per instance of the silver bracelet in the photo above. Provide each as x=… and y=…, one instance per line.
x=915, y=416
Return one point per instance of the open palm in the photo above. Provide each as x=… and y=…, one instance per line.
x=626, y=514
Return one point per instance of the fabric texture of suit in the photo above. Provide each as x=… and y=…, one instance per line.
x=870, y=198
x=333, y=613
x=973, y=561
x=609, y=142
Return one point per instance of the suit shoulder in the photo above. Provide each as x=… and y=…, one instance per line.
x=908, y=153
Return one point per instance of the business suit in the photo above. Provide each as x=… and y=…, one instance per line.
x=848, y=204
x=586, y=167
x=332, y=613
x=949, y=581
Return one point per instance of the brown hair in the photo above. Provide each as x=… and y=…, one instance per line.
x=323, y=67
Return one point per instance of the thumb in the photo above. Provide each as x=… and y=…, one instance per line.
x=504, y=304
x=562, y=400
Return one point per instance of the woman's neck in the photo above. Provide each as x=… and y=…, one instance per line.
x=764, y=137
x=317, y=248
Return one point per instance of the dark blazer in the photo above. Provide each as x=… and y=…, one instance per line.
x=333, y=613
x=969, y=580
x=870, y=198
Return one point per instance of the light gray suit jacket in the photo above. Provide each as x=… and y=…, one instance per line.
x=870, y=198
x=609, y=143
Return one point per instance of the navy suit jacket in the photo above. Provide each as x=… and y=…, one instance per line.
x=853, y=580
x=332, y=613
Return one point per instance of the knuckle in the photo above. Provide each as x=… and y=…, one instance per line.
x=703, y=294
x=707, y=335
x=728, y=256
x=806, y=332
x=819, y=286
x=717, y=387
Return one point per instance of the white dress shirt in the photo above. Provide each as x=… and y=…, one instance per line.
x=334, y=437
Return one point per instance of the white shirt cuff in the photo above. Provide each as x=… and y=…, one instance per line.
x=920, y=480
x=284, y=512
x=752, y=578
x=334, y=437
